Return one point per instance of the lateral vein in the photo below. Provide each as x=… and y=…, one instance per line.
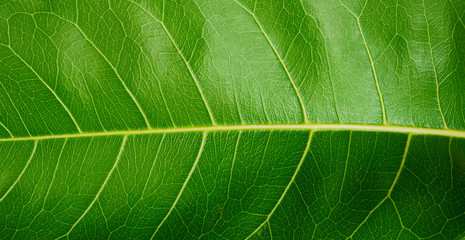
x=296, y=89
x=22, y=172
x=116, y=72
x=434, y=67
x=16, y=109
x=184, y=60
x=49, y=88
x=104, y=57
x=401, y=167
x=375, y=75
x=6, y=129
x=101, y=188
x=304, y=155
x=372, y=63
x=202, y=145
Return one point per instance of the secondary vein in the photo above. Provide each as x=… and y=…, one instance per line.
x=304, y=155
x=372, y=63
x=401, y=167
x=296, y=89
x=22, y=172
x=101, y=188
x=434, y=66
x=114, y=69
x=48, y=87
x=183, y=58
x=202, y=145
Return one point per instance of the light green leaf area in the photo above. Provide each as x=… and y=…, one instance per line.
x=232, y=119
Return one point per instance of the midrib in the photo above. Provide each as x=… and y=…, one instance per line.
x=315, y=127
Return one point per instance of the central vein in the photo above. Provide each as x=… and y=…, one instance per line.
x=316, y=127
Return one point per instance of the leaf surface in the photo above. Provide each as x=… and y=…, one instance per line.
x=232, y=119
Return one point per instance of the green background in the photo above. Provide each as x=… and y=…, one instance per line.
x=145, y=119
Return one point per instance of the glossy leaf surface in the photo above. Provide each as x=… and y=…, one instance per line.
x=232, y=119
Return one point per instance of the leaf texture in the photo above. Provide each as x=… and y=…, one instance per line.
x=232, y=119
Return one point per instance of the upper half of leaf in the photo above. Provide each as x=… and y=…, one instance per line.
x=93, y=66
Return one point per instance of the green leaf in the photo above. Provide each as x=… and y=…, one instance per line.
x=232, y=119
